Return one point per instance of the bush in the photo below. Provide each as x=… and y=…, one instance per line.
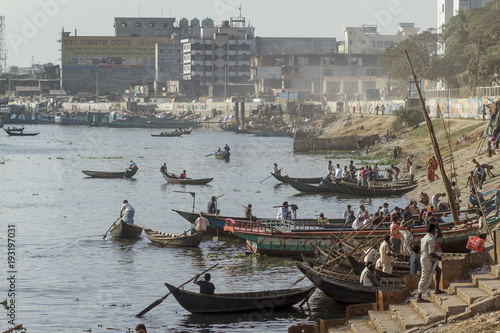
x=407, y=118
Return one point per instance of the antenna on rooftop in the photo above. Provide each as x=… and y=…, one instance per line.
x=139, y=8
x=3, y=48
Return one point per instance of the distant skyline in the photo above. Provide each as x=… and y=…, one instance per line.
x=33, y=26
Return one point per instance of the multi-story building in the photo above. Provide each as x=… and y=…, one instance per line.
x=366, y=39
x=221, y=56
x=144, y=26
x=168, y=61
x=446, y=9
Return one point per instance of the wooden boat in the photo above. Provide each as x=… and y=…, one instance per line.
x=263, y=239
x=284, y=179
x=396, y=189
x=128, y=173
x=171, y=240
x=308, y=188
x=238, y=302
x=223, y=156
x=126, y=230
x=19, y=132
x=168, y=134
x=217, y=222
x=346, y=291
x=171, y=178
x=187, y=131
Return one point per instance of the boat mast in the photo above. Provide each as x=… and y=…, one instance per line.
x=446, y=181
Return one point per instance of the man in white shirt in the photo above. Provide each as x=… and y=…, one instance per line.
x=358, y=223
x=428, y=261
x=127, y=212
x=362, y=210
x=276, y=171
x=435, y=199
x=201, y=223
x=347, y=212
x=338, y=172
x=284, y=213
x=385, y=255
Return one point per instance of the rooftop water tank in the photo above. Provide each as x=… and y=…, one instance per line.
x=208, y=22
x=183, y=22
x=195, y=22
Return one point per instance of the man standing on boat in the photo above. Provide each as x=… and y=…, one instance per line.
x=385, y=255
x=163, y=168
x=226, y=148
x=127, y=212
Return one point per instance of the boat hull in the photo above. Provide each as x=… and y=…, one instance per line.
x=125, y=230
x=240, y=302
x=129, y=173
x=171, y=240
x=188, y=181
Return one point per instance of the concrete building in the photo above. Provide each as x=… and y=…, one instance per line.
x=168, y=61
x=446, y=9
x=221, y=56
x=144, y=26
x=294, y=45
x=366, y=39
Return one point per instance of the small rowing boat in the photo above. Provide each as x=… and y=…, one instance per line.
x=171, y=178
x=238, y=302
x=126, y=230
x=224, y=155
x=128, y=173
x=171, y=240
x=19, y=132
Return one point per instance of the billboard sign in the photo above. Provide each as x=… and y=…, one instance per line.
x=110, y=52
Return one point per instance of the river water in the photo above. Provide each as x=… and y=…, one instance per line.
x=68, y=279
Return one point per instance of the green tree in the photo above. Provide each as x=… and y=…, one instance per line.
x=407, y=118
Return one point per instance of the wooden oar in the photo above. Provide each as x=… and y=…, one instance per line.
x=158, y=301
x=208, y=155
x=15, y=328
x=163, y=245
x=104, y=237
x=272, y=173
x=333, y=246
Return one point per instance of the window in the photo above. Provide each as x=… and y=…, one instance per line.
x=442, y=9
x=151, y=25
x=137, y=24
x=124, y=25
x=165, y=25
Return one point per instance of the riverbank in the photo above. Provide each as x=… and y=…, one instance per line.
x=457, y=155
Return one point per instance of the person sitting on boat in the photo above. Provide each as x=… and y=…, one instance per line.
x=322, y=218
x=182, y=175
x=358, y=223
x=201, y=223
x=424, y=198
x=473, y=197
x=351, y=218
x=206, y=287
x=218, y=152
x=369, y=277
x=276, y=171
x=212, y=206
x=127, y=212
x=163, y=168
x=284, y=213
x=141, y=328
x=132, y=165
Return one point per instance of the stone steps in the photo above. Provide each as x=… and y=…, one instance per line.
x=486, y=282
x=406, y=316
x=383, y=322
x=412, y=315
x=451, y=304
x=467, y=291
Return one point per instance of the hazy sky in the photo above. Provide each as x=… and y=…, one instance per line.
x=33, y=26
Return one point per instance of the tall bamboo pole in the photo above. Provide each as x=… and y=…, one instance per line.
x=447, y=184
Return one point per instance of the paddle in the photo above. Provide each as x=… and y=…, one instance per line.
x=270, y=176
x=209, y=155
x=163, y=245
x=104, y=237
x=158, y=301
